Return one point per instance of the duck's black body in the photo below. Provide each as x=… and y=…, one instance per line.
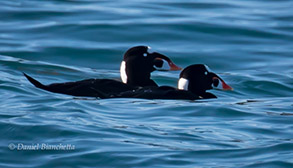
x=193, y=83
x=162, y=92
x=101, y=88
x=107, y=88
x=137, y=68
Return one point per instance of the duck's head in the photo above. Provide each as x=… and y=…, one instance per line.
x=138, y=63
x=198, y=79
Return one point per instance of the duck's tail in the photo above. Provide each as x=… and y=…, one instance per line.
x=35, y=82
x=70, y=88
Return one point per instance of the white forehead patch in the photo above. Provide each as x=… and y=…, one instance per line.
x=208, y=69
x=150, y=50
x=183, y=84
x=123, y=74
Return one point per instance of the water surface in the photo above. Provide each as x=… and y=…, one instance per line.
x=249, y=43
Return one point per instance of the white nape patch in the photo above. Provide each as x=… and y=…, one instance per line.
x=165, y=66
x=123, y=74
x=183, y=84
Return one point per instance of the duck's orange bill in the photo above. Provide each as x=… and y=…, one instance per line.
x=224, y=84
x=174, y=67
x=171, y=65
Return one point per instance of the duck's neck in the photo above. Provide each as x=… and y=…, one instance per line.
x=135, y=76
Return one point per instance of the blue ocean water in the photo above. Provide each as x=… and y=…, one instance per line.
x=249, y=43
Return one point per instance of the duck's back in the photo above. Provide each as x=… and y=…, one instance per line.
x=162, y=92
x=90, y=87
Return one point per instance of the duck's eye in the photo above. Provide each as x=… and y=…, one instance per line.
x=145, y=54
x=206, y=73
